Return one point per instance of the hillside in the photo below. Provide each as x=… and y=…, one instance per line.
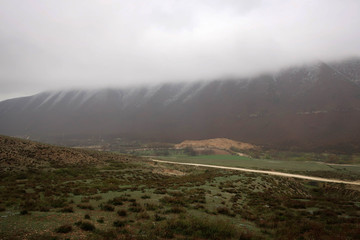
x=17, y=154
x=308, y=107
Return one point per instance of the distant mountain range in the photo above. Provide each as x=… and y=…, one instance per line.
x=306, y=107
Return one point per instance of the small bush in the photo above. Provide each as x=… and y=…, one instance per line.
x=158, y=218
x=107, y=207
x=85, y=199
x=160, y=191
x=151, y=206
x=87, y=226
x=64, y=229
x=176, y=210
x=100, y=220
x=44, y=209
x=87, y=216
x=67, y=210
x=85, y=206
x=143, y=215
x=58, y=202
x=135, y=207
x=225, y=211
x=116, y=201
x=197, y=228
x=122, y=213
x=145, y=196
x=24, y=212
x=118, y=223
x=199, y=206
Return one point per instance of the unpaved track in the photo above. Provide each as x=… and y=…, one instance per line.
x=264, y=172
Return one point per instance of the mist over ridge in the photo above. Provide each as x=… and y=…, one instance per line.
x=66, y=44
x=309, y=107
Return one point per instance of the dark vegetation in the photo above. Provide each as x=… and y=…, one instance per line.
x=129, y=198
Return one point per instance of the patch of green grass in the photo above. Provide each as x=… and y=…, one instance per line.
x=265, y=164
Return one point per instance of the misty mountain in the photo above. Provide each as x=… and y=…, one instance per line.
x=306, y=107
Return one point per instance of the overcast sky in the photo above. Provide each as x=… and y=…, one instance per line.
x=53, y=44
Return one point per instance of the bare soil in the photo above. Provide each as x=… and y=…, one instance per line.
x=219, y=143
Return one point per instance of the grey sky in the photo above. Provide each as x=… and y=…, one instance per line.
x=66, y=43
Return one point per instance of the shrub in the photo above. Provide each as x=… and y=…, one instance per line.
x=87, y=216
x=86, y=226
x=57, y=202
x=118, y=223
x=176, y=210
x=143, y=215
x=225, y=211
x=199, y=206
x=67, y=210
x=44, y=209
x=24, y=212
x=64, y=229
x=85, y=199
x=85, y=206
x=100, y=220
x=160, y=191
x=107, y=207
x=151, y=206
x=145, y=196
x=197, y=228
x=158, y=218
x=116, y=201
x=135, y=207
x=122, y=213
x=173, y=200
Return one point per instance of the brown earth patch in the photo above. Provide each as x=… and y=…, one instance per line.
x=219, y=143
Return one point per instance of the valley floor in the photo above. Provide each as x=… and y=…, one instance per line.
x=282, y=174
x=141, y=199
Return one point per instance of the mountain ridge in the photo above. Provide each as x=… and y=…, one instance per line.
x=307, y=107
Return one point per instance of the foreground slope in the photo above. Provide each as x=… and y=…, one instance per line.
x=21, y=155
x=308, y=107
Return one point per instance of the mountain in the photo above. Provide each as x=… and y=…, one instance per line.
x=307, y=107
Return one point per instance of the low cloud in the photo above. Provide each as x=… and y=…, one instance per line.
x=63, y=44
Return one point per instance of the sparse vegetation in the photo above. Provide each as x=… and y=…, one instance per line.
x=138, y=199
x=86, y=226
x=64, y=229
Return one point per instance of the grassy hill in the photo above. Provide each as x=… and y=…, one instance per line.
x=21, y=155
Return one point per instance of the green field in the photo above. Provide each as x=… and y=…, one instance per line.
x=314, y=168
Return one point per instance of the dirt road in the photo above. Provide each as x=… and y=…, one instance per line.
x=264, y=172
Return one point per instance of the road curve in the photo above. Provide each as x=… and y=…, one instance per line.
x=263, y=172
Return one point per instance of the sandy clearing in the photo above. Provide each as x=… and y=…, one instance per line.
x=264, y=172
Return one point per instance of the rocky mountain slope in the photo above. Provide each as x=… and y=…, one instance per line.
x=306, y=107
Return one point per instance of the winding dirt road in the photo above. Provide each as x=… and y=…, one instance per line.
x=263, y=172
